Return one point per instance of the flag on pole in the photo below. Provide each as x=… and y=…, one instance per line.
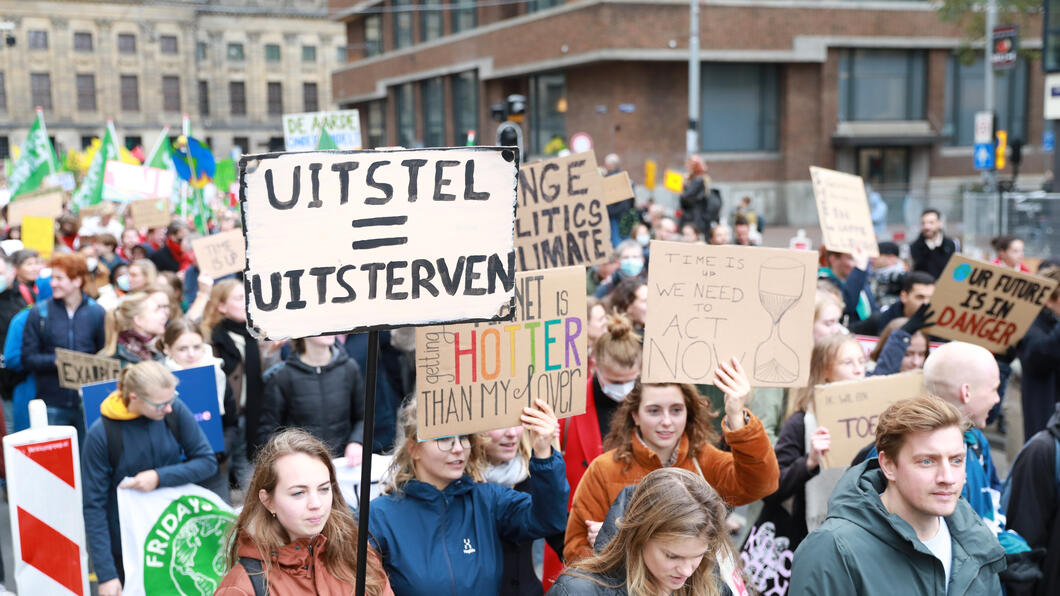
x=36, y=161
x=91, y=190
x=325, y=143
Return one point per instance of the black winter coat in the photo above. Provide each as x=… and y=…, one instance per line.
x=327, y=401
x=932, y=260
x=700, y=207
x=1040, y=357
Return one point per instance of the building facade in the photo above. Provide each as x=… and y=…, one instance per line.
x=876, y=88
x=234, y=66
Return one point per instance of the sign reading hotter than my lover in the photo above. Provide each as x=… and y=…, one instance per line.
x=357, y=240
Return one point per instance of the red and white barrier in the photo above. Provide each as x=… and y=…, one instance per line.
x=44, y=498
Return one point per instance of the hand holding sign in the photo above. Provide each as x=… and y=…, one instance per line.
x=843, y=210
x=820, y=443
x=543, y=424
x=731, y=379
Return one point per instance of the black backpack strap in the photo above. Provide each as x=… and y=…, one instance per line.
x=256, y=573
x=114, y=441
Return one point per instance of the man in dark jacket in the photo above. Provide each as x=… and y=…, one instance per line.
x=917, y=288
x=170, y=256
x=932, y=249
x=1040, y=357
x=897, y=524
x=69, y=320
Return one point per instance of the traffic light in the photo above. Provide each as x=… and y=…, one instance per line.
x=1001, y=149
x=509, y=134
x=1017, y=152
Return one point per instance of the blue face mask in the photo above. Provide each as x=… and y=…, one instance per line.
x=632, y=267
x=123, y=282
x=3, y=283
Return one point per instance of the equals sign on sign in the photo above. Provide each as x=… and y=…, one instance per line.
x=380, y=222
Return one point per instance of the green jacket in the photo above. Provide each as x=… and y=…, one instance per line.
x=862, y=549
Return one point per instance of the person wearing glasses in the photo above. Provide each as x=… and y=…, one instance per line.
x=439, y=527
x=160, y=443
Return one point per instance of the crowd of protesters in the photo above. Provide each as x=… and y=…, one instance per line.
x=657, y=488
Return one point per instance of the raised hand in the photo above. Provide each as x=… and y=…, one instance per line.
x=732, y=380
x=543, y=426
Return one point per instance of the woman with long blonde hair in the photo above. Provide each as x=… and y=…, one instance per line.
x=295, y=530
x=132, y=329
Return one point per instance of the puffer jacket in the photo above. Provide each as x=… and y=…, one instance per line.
x=863, y=549
x=327, y=401
x=589, y=584
x=436, y=543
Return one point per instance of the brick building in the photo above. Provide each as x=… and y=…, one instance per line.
x=872, y=87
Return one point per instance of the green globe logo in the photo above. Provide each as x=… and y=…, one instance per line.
x=184, y=553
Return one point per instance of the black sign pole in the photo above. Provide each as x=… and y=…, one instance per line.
x=366, y=462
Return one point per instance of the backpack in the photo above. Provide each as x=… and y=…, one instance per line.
x=256, y=573
x=114, y=439
x=1006, y=486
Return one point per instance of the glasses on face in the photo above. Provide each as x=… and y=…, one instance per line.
x=448, y=443
x=163, y=405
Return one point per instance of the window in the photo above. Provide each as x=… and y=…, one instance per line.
x=126, y=43
x=402, y=24
x=167, y=44
x=204, y=98
x=465, y=105
x=738, y=107
x=275, y=98
x=200, y=50
x=40, y=85
x=237, y=98
x=130, y=93
x=242, y=143
x=548, y=94
x=309, y=53
x=342, y=55
x=433, y=112
x=430, y=20
x=465, y=16
x=133, y=141
x=86, y=141
x=310, y=99
x=235, y=52
x=272, y=52
x=3, y=93
x=965, y=96
x=536, y=5
x=376, y=124
x=171, y=93
x=373, y=35
x=405, y=115
x=82, y=41
x=86, y=92
x=881, y=85
x=37, y=40
x=5, y=148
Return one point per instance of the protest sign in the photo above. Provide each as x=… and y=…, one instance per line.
x=38, y=233
x=173, y=540
x=357, y=240
x=301, y=132
x=843, y=210
x=77, y=368
x=150, y=213
x=49, y=204
x=617, y=188
x=125, y=182
x=562, y=218
x=477, y=377
x=220, y=254
x=349, y=478
x=987, y=305
x=851, y=409
x=711, y=303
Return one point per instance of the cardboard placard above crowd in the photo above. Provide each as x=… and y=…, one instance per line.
x=843, y=210
x=851, y=409
x=342, y=241
x=562, y=215
x=478, y=377
x=45, y=204
x=987, y=305
x=150, y=213
x=711, y=303
x=220, y=254
x=77, y=369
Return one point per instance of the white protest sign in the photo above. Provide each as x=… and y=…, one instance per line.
x=301, y=132
x=125, y=182
x=357, y=240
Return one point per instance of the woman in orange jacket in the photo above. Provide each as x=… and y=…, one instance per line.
x=668, y=424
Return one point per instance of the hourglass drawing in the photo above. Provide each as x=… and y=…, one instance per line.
x=780, y=286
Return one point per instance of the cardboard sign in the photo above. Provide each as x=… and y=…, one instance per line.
x=38, y=233
x=472, y=378
x=843, y=210
x=77, y=368
x=220, y=254
x=617, y=188
x=150, y=213
x=357, y=240
x=987, y=305
x=562, y=217
x=301, y=132
x=49, y=204
x=851, y=409
x=125, y=182
x=711, y=303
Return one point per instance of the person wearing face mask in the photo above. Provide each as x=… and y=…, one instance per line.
x=132, y=329
x=98, y=273
x=631, y=265
x=110, y=294
x=663, y=425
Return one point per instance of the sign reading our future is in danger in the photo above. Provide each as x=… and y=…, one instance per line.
x=342, y=241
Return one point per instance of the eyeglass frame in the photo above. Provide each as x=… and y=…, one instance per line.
x=163, y=405
x=465, y=442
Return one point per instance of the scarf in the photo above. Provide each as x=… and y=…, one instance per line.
x=250, y=364
x=28, y=291
x=137, y=343
x=183, y=260
x=509, y=473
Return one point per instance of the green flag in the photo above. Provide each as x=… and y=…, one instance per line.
x=91, y=190
x=325, y=142
x=201, y=211
x=37, y=160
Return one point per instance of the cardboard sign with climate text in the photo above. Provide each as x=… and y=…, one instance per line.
x=220, y=254
x=478, y=377
x=843, y=210
x=851, y=409
x=988, y=305
x=707, y=304
x=150, y=213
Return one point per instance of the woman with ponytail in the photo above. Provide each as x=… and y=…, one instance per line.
x=133, y=329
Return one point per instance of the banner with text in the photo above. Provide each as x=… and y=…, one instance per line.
x=77, y=368
x=843, y=210
x=126, y=182
x=301, y=132
x=711, y=303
